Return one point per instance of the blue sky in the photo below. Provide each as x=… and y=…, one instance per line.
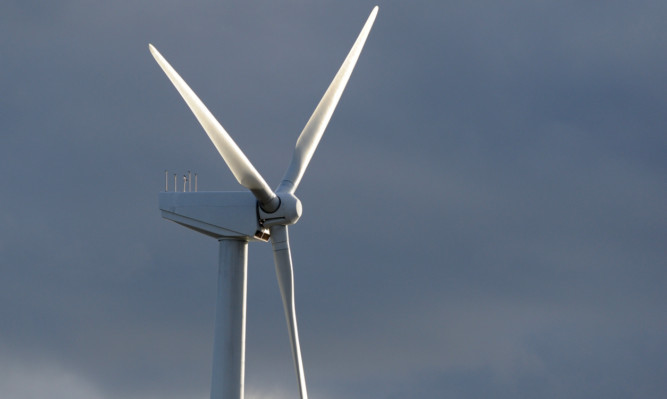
x=484, y=217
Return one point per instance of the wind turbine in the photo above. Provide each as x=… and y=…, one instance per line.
x=235, y=218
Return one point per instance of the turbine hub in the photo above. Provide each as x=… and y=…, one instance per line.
x=288, y=212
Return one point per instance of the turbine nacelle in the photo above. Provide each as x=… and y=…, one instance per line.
x=229, y=214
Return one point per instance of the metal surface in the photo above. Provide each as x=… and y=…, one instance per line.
x=238, y=163
x=231, y=214
x=285, y=274
x=228, y=371
x=312, y=133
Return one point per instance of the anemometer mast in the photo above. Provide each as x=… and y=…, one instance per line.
x=236, y=218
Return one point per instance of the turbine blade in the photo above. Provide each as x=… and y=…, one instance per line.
x=285, y=274
x=312, y=132
x=245, y=173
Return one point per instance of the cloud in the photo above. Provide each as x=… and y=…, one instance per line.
x=484, y=215
x=38, y=381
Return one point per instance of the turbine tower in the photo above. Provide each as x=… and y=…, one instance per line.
x=235, y=218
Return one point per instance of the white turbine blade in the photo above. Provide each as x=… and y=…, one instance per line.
x=245, y=173
x=285, y=274
x=312, y=132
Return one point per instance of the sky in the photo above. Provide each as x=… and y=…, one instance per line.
x=484, y=217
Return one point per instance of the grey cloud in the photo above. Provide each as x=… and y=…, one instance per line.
x=484, y=216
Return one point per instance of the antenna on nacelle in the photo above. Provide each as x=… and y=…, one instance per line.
x=187, y=182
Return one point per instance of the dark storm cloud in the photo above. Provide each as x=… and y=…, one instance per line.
x=484, y=216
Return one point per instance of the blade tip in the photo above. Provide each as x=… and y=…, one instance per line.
x=152, y=49
x=371, y=17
